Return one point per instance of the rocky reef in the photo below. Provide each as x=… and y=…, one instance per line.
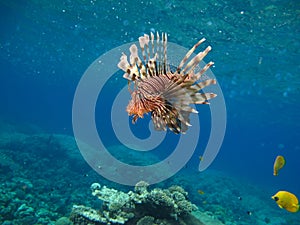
x=141, y=206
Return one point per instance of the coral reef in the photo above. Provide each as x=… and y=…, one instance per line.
x=37, y=173
x=147, y=220
x=63, y=221
x=136, y=207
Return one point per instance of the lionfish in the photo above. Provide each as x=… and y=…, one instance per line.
x=157, y=90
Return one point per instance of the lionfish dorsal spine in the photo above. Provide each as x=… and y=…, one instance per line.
x=154, y=64
x=199, y=86
x=195, y=61
x=136, y=62
x=157, y=52
x=204, y=69
x=144, y=40
x=165, y=40
x=188, y=54
x=152, y=42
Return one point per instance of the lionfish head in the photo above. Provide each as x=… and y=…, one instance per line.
x=133, y=108
x=141, y=103
x=167, y=95
x=136, y=107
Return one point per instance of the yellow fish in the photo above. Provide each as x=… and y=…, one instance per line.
x=200, y=192
x=287, y=201
x=278, y=164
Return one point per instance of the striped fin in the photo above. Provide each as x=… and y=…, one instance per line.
x=159, y=123
x=152, y=42
x=165, y=40
x=130, y=72
x=157, y=50
x=188, y=54
x=144, y=41
x=148, y=61
x=135, y=69
x=123, y=64
x=205, y=68
x=161, y=51
x=198, y=86
x=200, y=98
x=195, y=61
x=169, y=116
x=158, y=62
x=154, y=62
x=136, y=61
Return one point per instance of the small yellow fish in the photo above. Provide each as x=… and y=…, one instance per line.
x=287, y=201
x=200, y=192
x=278, y=164
x=200, y=157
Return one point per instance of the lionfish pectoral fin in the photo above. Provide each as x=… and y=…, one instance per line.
x=123, y=64
x=158, y=122
x=202, y=98
x=210, y=95
x=184, y=120
x=198, y=86
x=183, y=116
x=172, y=120
x=194, y=111
x=174, y=124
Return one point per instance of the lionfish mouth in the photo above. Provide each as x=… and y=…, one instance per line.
x=167, y=95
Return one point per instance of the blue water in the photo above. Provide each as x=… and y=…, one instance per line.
x=46, y=46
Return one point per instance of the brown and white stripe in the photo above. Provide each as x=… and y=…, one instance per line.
x=167, y=96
